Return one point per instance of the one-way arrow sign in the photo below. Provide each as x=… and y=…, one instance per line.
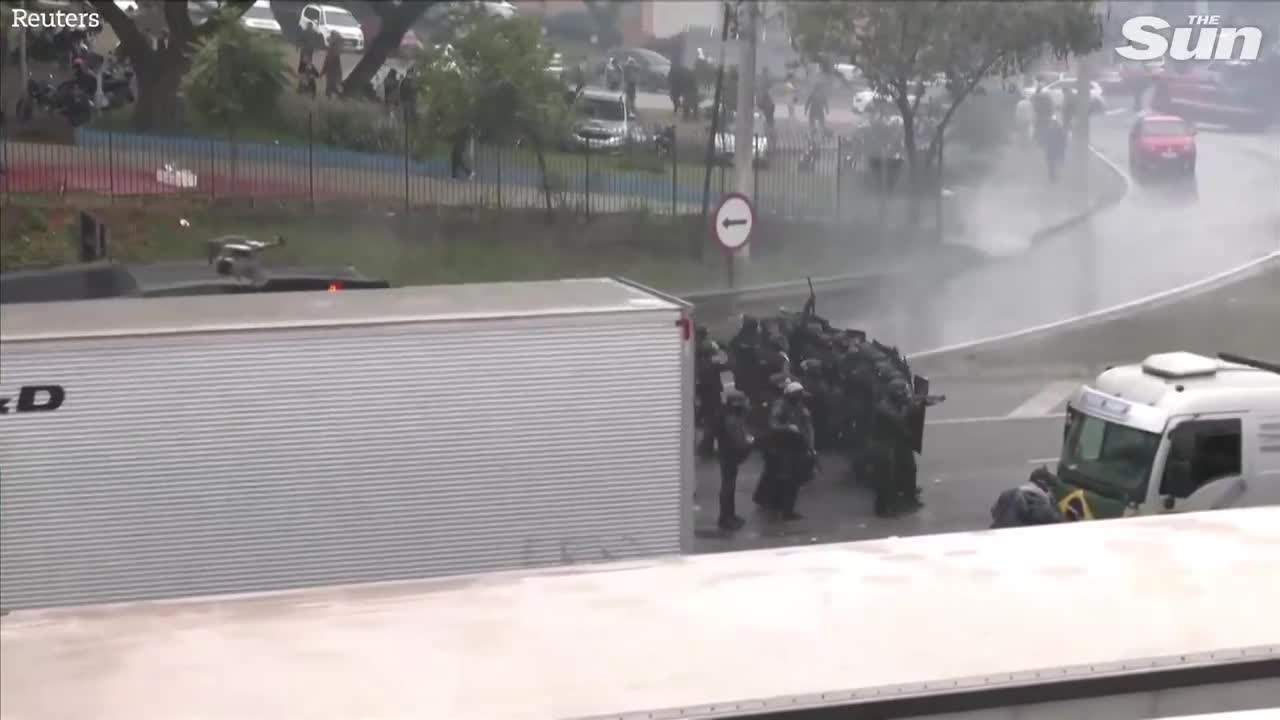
x=733, y=220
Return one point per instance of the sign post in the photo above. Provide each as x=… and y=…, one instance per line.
x=731, y=226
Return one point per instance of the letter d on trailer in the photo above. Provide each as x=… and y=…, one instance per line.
x=248, y=442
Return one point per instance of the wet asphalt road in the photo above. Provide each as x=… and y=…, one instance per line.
x=1162, y=235
x=1002, y=418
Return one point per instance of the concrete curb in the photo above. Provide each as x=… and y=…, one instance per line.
x=1154, y=300
x=841, y=283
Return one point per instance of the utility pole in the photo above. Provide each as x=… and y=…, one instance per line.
x=744, y=145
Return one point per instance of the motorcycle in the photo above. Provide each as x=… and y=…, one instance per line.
x=664, y=140
x=809, y=160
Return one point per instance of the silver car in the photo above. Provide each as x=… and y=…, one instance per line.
x=604, y=122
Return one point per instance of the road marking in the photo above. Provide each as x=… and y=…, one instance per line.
x=1117, y=111
x=990, y=419
x=1049, y=397
x=1042, y=461
x=1255, y=265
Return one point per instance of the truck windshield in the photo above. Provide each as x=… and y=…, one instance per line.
x=1106, y=457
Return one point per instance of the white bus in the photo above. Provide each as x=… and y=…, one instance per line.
x=1150, y=617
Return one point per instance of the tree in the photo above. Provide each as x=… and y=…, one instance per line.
x=901, y=46
x=236, y=76
x=394, y=20
x=159, y=69
x=494, y=80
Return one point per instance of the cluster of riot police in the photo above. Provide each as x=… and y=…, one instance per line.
x=801, y=388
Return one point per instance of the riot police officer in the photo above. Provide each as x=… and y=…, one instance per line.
x=709, y=362
x=791, y=431
x=735, y=443
x=745, y=349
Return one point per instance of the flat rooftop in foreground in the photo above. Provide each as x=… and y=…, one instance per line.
x=259, y=311
x=925, y=611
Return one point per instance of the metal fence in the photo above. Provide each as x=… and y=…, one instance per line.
x=801, y=175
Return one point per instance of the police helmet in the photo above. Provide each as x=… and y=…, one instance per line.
x=792, y=389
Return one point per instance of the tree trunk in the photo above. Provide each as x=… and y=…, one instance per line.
x=157, y=106
x=394, y=25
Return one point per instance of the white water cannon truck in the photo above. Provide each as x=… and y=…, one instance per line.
x=1177, y=432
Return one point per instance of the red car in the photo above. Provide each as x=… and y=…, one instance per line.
x=1162, y=142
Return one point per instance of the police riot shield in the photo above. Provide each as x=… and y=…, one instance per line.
x=915, y=420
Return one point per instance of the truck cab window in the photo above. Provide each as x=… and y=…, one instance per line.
x=1202, y=451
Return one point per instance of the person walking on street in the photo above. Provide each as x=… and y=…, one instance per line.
x=764, y=101
x=1055, y=147
x=333, y=66
x=630, y=78
x=816, y=109
x=613, y=74
x=735, y=443
x=310, y=41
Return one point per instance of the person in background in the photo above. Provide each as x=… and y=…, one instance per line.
x=630, y=81
x=764, y=101
x=333, y=66
x=816, y=109
x=308, y=78
x=789, y=91
x=409, y=95
x=735, y=443
x=1055, y=147
x=613, y=74
x=310, y=41
x=709, y=362
x=391, y=89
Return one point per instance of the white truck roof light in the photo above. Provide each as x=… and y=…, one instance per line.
x=1180, y=365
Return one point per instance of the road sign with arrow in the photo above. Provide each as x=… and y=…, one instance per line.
x=732, y=221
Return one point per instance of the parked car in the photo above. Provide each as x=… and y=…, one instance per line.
x=259, y=18
x=330, y=19
x=604, y=122
x=1162, y=142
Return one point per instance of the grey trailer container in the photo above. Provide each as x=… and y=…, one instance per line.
x=159, y=448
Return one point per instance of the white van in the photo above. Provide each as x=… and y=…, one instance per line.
x=329, y=19
x=1179, y=432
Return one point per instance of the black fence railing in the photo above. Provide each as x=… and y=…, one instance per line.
x=822, y=176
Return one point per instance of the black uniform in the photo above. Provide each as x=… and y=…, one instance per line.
x=793, y=456
x=735, y=445
x=708, y=385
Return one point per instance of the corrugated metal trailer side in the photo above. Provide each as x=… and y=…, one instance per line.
x=204, y=451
